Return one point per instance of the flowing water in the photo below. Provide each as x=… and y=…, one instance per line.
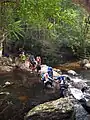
x=81, y=113
x=22, y=97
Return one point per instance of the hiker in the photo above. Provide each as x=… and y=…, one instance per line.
x=38, y=59
x=50, y=72
x=38, y=67
x=23, y=57
x=32, y=62
x=38, y=64
x=46, y=79
x=63, y=85
x=20, y=51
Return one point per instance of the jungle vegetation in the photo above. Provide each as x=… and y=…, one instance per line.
x=57, y=30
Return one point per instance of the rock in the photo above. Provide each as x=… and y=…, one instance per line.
x=85, y=104
x=6, y=68
x=86, y=66
x=60, y=109
x=6, y=64
x=7, y=83
x=83, y=62
x=79, y=84
x=88, y=103
x=72, y=72
x=57, y=70
x=5, y=60
x=6, y=93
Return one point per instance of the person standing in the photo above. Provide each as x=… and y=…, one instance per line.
x=32, y=62
x=38, y=59
x=63, y=85
x=50, y=72
x=46, y=79
x=38, y=64
x=23, y=57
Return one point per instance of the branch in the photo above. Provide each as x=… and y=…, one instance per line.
x=3, y=37
x=5, y=109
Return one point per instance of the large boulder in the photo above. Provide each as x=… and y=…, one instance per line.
x=79, y=84
x=60, y=109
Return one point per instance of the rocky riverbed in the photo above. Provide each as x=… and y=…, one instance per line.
x=24, y=92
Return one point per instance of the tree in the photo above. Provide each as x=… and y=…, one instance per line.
x=53, y=23
x=9, y=25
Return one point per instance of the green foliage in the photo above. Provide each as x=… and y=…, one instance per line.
x=9, y=24
x=45, y=26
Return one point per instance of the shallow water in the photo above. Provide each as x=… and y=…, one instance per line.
x=81, y=113
x=22, y=97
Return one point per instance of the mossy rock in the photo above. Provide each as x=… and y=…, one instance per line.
x=53, y=110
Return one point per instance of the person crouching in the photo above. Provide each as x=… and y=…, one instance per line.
x=63, y=85
x=47, y=80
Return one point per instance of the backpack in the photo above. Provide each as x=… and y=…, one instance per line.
x=31, y=58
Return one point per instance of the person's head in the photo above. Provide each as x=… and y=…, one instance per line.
x=22, y=53
x=50, y=69
x=37, y=57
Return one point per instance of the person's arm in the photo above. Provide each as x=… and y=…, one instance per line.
x=50, y=78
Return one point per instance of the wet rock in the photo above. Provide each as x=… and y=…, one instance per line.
x=85, y=104
x=6, y=68
x=7, y=64
x=6, y=93
x=87, y=66
x=88, y=106
x=7, y=84
x=80, y=85
x=83, y=62
x=72, y=72
x=88, y=103
x=59, y=109
x=5, y=61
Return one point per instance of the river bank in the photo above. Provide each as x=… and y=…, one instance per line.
x=71, y=65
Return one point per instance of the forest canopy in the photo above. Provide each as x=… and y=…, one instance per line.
x=55, y=29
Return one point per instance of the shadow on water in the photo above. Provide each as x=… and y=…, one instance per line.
x=26, y=92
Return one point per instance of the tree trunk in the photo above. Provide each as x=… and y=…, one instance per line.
x=2, y=40
x=1, y=49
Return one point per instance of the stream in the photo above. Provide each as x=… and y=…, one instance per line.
x=23, y=96
x=81, y=113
